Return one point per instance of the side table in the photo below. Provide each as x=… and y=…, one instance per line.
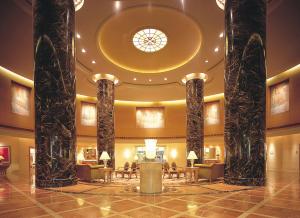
x=191, y=174
x=107, y=174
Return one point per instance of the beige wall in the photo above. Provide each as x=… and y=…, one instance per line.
x=7, y=118
x=19, y=153
x=283, y=153
x=291, y=117
x=175, y=114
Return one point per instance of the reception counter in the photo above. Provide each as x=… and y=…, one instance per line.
x=151, y=177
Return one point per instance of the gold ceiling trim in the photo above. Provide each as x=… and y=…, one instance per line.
x=113, y=56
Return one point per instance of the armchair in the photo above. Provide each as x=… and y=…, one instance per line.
x=131, y=171
x=89, y=173
x=174, y=170
x=121, y=170
x=166, y=168
x=211, y=171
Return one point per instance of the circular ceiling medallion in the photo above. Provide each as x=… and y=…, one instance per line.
x=221, y=4
x=78, y=4
x=149, y=40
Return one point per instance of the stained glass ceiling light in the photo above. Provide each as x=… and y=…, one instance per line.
x=78, y=4
x=221, y=4
x=149, y=40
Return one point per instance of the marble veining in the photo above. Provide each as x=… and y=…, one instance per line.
x=245, y=92
x=105, y=119
x=55, y=92
x=195, y=118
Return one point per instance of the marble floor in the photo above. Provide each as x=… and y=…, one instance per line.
x=279, y=198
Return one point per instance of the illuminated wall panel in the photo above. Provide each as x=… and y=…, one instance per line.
x=212, y=113
x=150, y=117
x=280, y=98
x=20, y=99
x=88, y=114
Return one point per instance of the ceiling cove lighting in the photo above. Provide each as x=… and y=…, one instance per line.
x=190, y=76
x=149, y=40
x=78, y=4
x=221, y=4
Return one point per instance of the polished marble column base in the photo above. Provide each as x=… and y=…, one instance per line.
x=55, y=183
x=245, y=181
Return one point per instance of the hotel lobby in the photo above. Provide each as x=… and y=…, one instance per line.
x=150, y=108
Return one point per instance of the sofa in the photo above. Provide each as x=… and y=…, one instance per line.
x=86, y=172
x=211, y=171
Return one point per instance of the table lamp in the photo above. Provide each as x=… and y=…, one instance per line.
x=80, y=157
x=192, y=156
x=105, y=157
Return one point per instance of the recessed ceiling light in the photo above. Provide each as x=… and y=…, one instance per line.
x=93, y=62
x=216, y=49
x=165, y=78
x=221, y=35
x=206, y=61
x=83, y=50
x=150, y=80
x=134, y=79
x=78, y=36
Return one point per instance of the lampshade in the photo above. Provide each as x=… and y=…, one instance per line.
x=150, y=148
x=104, y=156
x=1, y=157
x=80, y=156
x=192, y=156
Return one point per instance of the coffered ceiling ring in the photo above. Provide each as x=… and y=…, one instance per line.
x=115, y=39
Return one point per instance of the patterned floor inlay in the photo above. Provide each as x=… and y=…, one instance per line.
x=279, y=198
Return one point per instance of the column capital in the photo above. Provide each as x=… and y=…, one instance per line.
x=191, y=76
x=100, y=76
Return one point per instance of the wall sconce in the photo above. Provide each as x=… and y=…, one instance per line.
x=150, y=148
x=174, y=153
x=127, y=153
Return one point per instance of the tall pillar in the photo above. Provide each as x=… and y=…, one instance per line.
x=55, y=92
x=245, y=96
x=195, y=115
x=105, y=115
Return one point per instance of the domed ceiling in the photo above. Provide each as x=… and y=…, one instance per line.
x=104, y=44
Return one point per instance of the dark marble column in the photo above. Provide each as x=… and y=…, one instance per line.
x=195, y=117
x=245, y=95
x=55, y=92
x=105, y=119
